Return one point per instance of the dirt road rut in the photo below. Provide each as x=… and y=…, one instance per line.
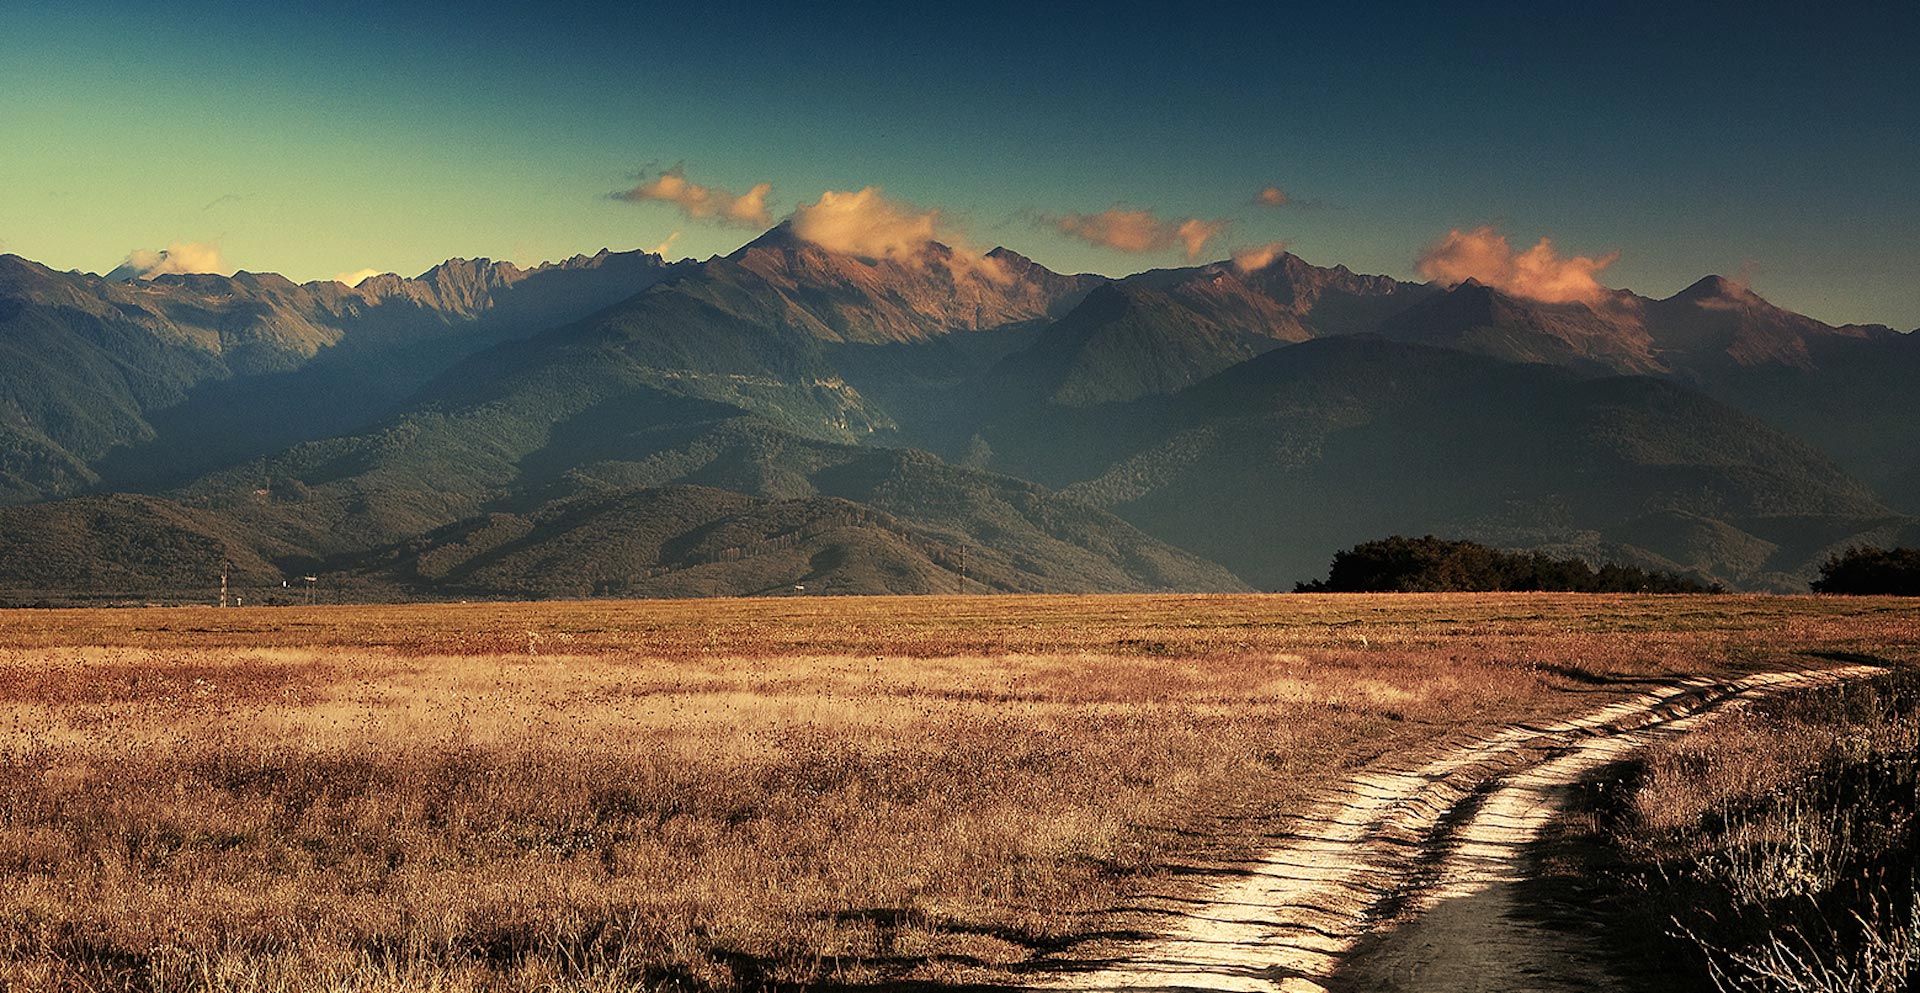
x=1432, y=852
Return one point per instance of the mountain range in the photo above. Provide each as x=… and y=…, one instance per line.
x=789, y=419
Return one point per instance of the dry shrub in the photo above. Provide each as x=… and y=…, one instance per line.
x=1783, y=839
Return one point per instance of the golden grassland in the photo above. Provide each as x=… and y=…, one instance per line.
x=735, y=793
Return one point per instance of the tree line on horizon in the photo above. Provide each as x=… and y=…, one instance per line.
x=1399, y=564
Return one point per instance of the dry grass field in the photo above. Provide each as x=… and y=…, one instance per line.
x=735, y=794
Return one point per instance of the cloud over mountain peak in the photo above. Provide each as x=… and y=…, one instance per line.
x=1539, y=273
x=178, y=257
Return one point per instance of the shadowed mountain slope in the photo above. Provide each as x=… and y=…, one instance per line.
x=1848, y=390
x=1855, y=398
x=1713, y=325
x=1163, y=330
x=1718, y=322
x=1267, y=466
x=726, y=506
x=763, y=328
x=697, y=541
x=124, y=545
x=149, y=382
x=1477, y=318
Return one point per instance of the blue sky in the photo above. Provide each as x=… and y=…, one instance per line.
x=1783, y=146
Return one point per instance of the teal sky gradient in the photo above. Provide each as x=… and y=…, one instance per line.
x=1780, y=145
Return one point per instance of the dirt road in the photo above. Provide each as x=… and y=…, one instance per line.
x=1403, y=881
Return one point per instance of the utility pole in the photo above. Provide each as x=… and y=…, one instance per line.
x=963, y=568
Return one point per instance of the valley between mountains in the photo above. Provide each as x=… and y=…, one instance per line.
x=787, y=419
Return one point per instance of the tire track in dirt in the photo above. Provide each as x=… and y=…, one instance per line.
x=1431, y=851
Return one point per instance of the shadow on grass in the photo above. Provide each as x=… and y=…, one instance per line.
x=1040, y=952
x=1574, y=674
x=1854, y=658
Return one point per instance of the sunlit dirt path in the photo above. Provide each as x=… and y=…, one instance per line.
x=1403, y=881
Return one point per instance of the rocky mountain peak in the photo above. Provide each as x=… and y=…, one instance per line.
x=1715, y=288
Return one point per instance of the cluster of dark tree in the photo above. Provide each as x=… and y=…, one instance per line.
x=1435, y=565
x=1869, y=570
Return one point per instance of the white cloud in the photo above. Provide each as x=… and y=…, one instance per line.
x=662, y=248
x=1140, y=231
x=750, y=208
x=869, y=224
x=865, y=222
x=355, y=278
x=1257, y=257
x=179, y=257
x=1194, y=233
x=703, y=203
